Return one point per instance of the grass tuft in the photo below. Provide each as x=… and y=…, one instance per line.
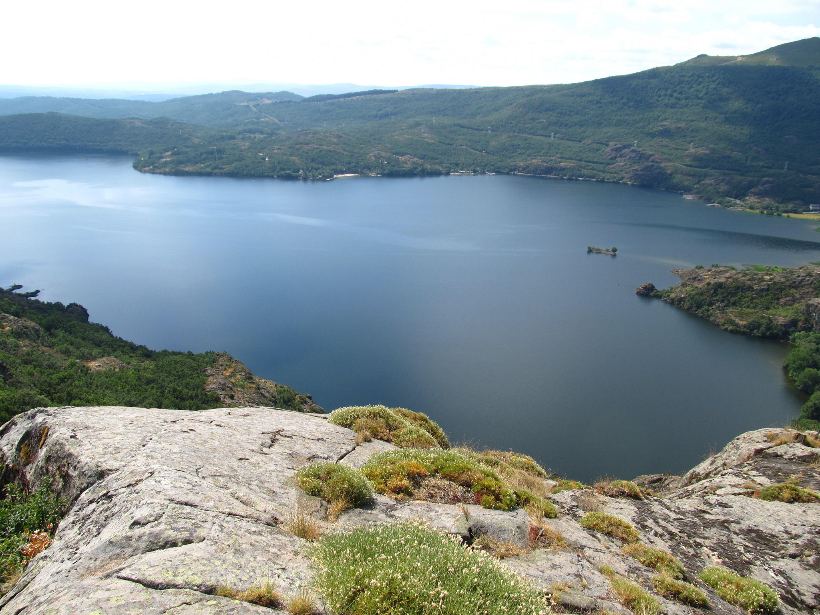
x=619, y=489
x=657, y=559
x=610, y=525
x=339, y=485
x=675, y=589
x=407, y=569
x=631, y=595
x=749, y=594
x=404, y=428
x=304, y=526
x=263, y=594
x=302, y=604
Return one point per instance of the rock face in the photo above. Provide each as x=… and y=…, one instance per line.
x=167, y=506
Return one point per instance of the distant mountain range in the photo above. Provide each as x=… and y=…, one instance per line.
x=736, y=129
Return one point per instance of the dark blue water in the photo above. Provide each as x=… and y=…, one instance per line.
x=469, y=298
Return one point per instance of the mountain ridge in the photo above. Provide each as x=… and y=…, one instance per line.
x=732, y=132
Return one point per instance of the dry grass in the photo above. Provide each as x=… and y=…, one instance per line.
x=610, y=525
x=263, y=594
x=498, y=548
x=304, y=526
x=589, y=501
x=619, y=489
x=544, y=536
x=787, y=436
x=302, y=604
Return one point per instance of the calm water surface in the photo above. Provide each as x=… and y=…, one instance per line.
x=470, y=298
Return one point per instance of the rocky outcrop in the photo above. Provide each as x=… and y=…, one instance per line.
x=647, y=289
x=167, y=506
x=235, y=385
x=763, y=301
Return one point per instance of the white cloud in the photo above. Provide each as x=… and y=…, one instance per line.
x=110, y=42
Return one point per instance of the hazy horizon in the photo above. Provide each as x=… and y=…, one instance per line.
x=170, y=48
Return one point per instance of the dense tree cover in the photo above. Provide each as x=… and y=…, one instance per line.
x=51, y=355
x=803, y=368
x=724, y=129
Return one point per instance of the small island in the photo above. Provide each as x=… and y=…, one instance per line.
x=613, y=251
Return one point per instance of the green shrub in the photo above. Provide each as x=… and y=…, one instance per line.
x=402, y=427
x=610, y=525
x=681, y=591
x=788, y=492
x=422, y=420
x=410, y=570
x=631, y=595
x=748, y=594
x=22, y=515
x=339, y=485
x=661, y=561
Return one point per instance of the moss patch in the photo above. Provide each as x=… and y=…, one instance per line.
x=610, y=525
x=748, y=594
x=407, y=569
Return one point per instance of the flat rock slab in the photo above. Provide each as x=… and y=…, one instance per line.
x=167, y=505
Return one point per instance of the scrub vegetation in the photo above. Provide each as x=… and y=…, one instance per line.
x=51, y=355
x=407, y=569
x=749, y=594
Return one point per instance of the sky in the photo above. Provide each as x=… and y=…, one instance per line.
x=156, y=44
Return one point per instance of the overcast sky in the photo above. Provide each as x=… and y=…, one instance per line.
x=108, y=43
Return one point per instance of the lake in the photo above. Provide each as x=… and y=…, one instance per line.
x=470, y=298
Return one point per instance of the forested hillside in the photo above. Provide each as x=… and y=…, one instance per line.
x=740, y=129
x=51, y=355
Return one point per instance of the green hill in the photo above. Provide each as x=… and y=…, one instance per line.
x=740, y=129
